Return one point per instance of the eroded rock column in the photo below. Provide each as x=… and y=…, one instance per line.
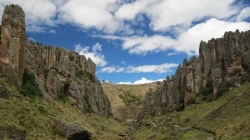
x=12, y=43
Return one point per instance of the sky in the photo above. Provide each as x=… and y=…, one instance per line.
x=132, y=41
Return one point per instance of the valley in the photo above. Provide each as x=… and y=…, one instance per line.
x=47, y=92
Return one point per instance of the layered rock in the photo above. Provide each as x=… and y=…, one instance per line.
x=12, y=43
x=222, y=62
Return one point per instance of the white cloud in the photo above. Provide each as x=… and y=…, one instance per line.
x=163, y=68
x=139, y=82
x=144, y=81
x=130, y=10
x=187, y=42
x=143, y=45
x=112, y=69
x=171, y=12
x=172, y=53
x=244, y=14
x=91, y=14
x=108, y=16
x=125, y=83
x=96, y=55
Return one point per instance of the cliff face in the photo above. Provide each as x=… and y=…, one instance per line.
x=61, y=71
x=221, y=63
x=57, y=72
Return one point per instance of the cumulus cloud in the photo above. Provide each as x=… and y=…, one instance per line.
x=95, y=55
x=171, y=12
x=90, y=14
x=125, y=83
x=140, y=81
x=162, y=68
x=244, y=14
x=130, y=10
x=108, y=16
x=112, y=69
x=187, y=42
x=142, y=45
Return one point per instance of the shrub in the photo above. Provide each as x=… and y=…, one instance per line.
x=88, y=107
x=45, y=70
x=79, y=73
x=130, y=99
x=66, y=85
x=63, y=97
x=29, y=88
x=71, y=57
x=207, y=92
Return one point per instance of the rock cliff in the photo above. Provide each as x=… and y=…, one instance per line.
x=58, y=73
x=12, y=44
x=221, y=64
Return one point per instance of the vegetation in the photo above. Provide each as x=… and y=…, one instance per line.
x=71, y=57
x=206, y=93
x=29, y=87
x=45, y=70
x=63, y=96
x=79, y=73
x=130, y=99
x=88, y=107
x=31, y=41
x=32, y=118
x=227, y=117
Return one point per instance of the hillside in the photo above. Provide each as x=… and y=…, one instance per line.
x=25, y=117
x=119, y=109
x=227, y=118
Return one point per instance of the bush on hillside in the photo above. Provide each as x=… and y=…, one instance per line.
x=29, y=88
x=130, y=99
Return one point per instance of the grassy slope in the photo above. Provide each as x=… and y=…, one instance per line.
x=118, y=107
x=33, y=117
x=228, y=117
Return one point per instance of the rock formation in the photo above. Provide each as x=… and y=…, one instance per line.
x=12, y=44
x=65, y=72
x=221, y=63
x=58, y=73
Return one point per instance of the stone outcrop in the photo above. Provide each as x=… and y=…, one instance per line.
x=65, y=72
x=58, y=73
x=221, y=63
x=12, y=43
x=73, y=130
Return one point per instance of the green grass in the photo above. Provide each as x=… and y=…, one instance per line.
x=33, y=117
x=193, y=135
x=227, y=117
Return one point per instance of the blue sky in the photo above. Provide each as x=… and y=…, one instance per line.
x=132, y=41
